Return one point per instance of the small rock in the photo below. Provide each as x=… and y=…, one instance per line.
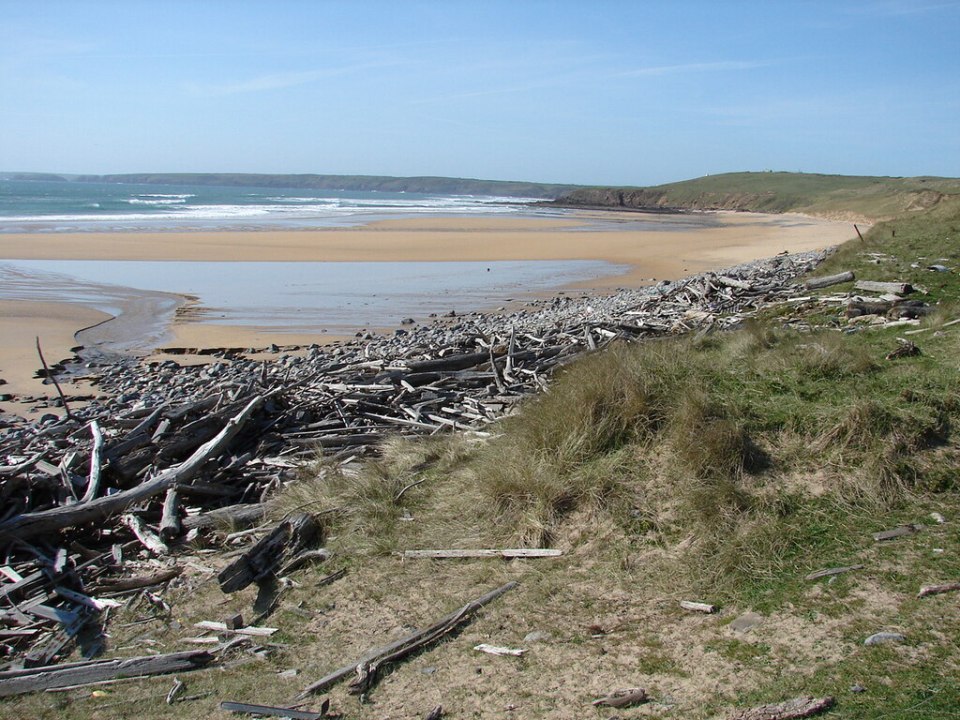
x=286, y=674
x=881, y=638
x=858, y=688
x=937, y=518
x=428, y=670
x=536, y=636
x=746, y=621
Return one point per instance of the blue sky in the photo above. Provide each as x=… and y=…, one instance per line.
x=603, y=92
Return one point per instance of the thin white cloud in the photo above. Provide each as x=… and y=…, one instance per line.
x=721, y=66
x=897, y=8
x=278, y=81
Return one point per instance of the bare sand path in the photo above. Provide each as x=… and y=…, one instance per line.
x=657, y=250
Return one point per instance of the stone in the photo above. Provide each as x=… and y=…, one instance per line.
x=746, y=621
x=881, y=638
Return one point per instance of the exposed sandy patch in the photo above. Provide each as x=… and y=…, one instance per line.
x=21, y=323
x=667, y=253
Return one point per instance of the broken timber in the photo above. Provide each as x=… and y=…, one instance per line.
x=273, y=551
x=928, y=590
x=368, y=666
x=828, y=280
x=18, y=682
x=507, y=553
x=794, y=709
x=45, y=521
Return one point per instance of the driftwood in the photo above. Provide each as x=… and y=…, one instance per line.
x=273, y=711
x=507, y=553
x=270, y=553
x=883, y=287
x=147, y=537
x=237, y=516
x=830, y=572
x=624, y=697
x=458, y=374
x=368, y=666
x=31, y=524
x=116, y=585
x=698, y=607
x=897, y=532
x=96, y=460
x=18, y=682
x=928, y=590
x=170, y=525
x=794, y=709
x=828, y=280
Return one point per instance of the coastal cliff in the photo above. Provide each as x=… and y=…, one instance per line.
x=835, y=196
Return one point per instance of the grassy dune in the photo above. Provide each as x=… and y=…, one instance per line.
x=723, y=469
x=775, y=192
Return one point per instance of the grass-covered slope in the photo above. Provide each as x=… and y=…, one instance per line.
x=722, y=469
x=837, y=195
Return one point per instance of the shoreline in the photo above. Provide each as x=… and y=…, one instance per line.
x=650, y=254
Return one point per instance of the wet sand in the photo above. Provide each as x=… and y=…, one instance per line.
x=657, y=251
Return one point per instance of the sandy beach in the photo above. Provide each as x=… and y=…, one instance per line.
x=658, y=251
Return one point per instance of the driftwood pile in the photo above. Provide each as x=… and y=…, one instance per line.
x=168, y=451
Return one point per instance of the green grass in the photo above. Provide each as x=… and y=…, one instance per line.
x=723, y=469
x=777, y=192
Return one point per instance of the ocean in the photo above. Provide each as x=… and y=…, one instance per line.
x=38, y=206
x=336, y=298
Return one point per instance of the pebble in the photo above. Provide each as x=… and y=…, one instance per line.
x=746, y=622
x=881, y=638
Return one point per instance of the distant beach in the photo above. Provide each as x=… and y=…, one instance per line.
x=530, y=254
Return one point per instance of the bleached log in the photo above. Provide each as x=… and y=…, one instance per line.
x=828, y=280
x=374, y=659
x=147, y=538
x=96, y=462
x=897, y=288
x=698, y=607
x=794, y=709
x=29, y=525
x=928, y=590
x=829, y=572
x=18, y=682
x=486, y=553
x=170, y=525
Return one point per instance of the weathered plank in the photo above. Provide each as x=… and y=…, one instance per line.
x=368, y=665
x=484, y=553
x=20, y=682
x=794, y=709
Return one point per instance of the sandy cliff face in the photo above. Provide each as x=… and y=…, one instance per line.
x=642, y=199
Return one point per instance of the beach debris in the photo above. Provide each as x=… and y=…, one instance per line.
x=18, y=682
x=274, y=711
x=882, y=638
x=906, y=349
x=831, y=572
x=897, y=532
x=927, y=590
x=499, y=650
x=167, y=453
x=698, y=607
x=367, y=667
x=275, y=550
x=801, y=707
x=507, y=553
x=624, y=697
x=828, y=280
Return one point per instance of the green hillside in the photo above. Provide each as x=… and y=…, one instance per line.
x=776, y=192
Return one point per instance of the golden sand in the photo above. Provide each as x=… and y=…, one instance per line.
x=657, y=253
